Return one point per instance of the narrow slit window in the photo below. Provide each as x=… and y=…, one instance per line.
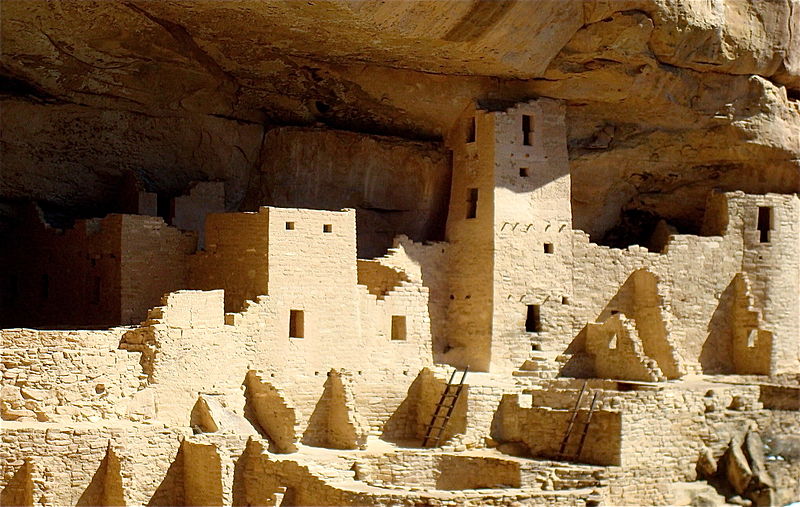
x=471, y=130
x=327, y=228
x=548, y=248
x=533, y=321
x=45, y=286
x=164, y=208
x=523, y=172
x=95, y=300
x=398, y=327
x=752, y=338
x=472, y=203
x=764, y=223
x=296, y=324
x=527, y=130
x=289, y=226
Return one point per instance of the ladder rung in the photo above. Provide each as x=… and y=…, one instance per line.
x=444, y=408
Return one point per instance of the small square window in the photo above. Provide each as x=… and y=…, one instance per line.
x=296, y=324
x=548, y=248
x=564, y=300
x=533, y=319
x=398, y=327
x=289, y=226
x=327, y=228
x=523, y=172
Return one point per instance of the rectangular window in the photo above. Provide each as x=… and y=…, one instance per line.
x=527, y=130
x=472, y=202
x=764, y=223
x=296, y=324
x=327, y=228
x=96, y=291
x=45, y=286
x=548, y=248
x=523, y=172
x=398, y=327
x=164, y=207
x=471, y=130
x=533, y=321
x=289, y=226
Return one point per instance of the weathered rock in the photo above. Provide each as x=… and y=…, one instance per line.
x=762, y=487
x=706, y=464
x=737, y=469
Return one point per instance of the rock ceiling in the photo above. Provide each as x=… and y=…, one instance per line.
x=666, y=98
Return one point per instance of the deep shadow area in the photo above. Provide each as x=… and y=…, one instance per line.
x=716, y=356
x=170, y=490
x=19, y=490
x=105, y=488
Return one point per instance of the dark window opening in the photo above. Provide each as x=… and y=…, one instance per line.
x=564, y=300
x=527, y=129
x=471, y=130
x=523, y=172
x=398, y=327
x=296, y=324
x=764, y=223
x=548, y=248
x=95, y=300
x=327, y=228
x=289, y=226
x=164, y=207
x=533, y=321
x=472, y=202
x=45, y=286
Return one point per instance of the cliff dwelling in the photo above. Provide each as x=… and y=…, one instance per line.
x=400, y=253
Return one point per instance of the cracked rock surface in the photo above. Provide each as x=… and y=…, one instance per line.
x=666, y=99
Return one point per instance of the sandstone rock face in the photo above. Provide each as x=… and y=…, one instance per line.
x=665, y=98
x=396, y=186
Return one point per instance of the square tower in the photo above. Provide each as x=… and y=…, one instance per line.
x=510, y=226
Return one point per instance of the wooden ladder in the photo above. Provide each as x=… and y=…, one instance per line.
x=444, y=409
x=572, y=420
x=586, y=426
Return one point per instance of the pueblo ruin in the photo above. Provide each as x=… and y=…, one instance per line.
x=557, y=263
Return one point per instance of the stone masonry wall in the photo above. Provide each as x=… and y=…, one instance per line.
x=66, y=375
